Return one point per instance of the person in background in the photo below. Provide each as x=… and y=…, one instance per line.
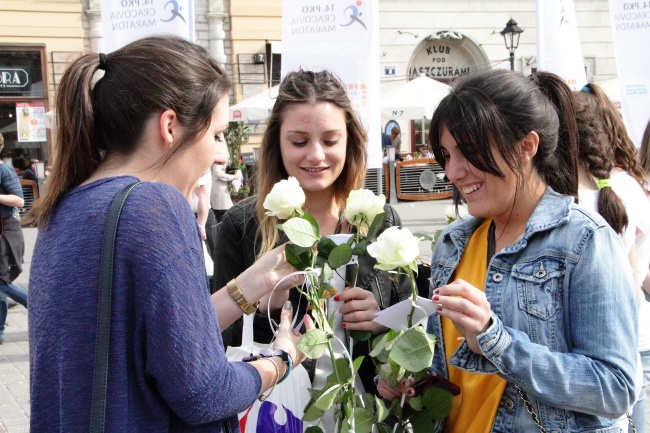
x=620, y=199
x=30, y=172
x=313, y=135
x=12, y=243
x=220, y=200
x=644, y=163
x=201, y=208
x=395, y=139
x=168, y=370
x=536, y=306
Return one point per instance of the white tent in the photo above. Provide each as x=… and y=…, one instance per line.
x=256, y=108
x=414, y=100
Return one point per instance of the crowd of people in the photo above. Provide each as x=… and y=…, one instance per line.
x=541, y=293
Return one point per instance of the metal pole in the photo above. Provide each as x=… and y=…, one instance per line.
x=512, y=60
x=391, y=173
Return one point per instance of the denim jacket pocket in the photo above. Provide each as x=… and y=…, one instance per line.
x=539, y=285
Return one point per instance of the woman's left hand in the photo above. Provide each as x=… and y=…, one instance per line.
x=358, y=310
x=467, y=307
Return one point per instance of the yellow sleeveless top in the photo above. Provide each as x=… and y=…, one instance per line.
x=472, y=411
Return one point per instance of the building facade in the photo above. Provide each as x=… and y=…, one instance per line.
x=442, y=39
x=37, y=41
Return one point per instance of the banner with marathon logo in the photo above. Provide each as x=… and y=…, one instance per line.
x=631, y=30
x=124, y=21
x=558, y=43
x=341, y=36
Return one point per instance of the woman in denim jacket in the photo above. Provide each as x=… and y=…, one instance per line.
x=534, y=293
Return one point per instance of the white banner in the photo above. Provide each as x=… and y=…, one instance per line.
x=124, y=21
x=558, y=43
x=631, y=34
x=341, y=36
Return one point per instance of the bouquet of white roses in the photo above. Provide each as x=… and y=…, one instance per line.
x=318, y=257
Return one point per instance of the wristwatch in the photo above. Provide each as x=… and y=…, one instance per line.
x=267, y=353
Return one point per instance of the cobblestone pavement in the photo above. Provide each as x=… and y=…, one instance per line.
x=422, y=217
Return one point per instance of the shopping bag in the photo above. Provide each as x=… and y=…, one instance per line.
x=282, y=411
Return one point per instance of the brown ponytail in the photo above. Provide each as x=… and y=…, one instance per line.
x=108, y=116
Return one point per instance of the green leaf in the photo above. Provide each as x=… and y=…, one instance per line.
x=357, y=363
x=300, y=232
x=322, y=287
x=313, y=343
x=299, y=257
x=363, y=422
x=326, y=272
x=422, y=422
x=312, y=413
x=343, y=367
x=339, y=256
x=312, y=221
x=314, y=429
x=326, y=399
x=360, y=335
x=438, y=402
x=413, y=350
x=375, y=227
x=360, y=248
x=381, y=411
x=391, y=373
x=416, y=403
x=325, y=246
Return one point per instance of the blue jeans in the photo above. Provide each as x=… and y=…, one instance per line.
x=638, y=411
x=14, y=292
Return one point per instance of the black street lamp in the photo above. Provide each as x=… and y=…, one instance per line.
x=511, y=37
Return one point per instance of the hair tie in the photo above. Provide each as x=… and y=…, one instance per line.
x=604, y=183
x=585, y=89
x=102, y=61
x=534, y=78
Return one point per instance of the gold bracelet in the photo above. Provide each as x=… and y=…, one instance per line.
x=263, y=397
x=238, y=296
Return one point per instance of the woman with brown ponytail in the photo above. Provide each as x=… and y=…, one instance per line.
x=153, y=113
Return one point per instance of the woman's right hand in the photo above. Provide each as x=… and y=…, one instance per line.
x=286, y=339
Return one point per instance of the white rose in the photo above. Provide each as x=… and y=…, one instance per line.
x=450, y=212
x=362, y=206
x=286, y=197
x=394, y=248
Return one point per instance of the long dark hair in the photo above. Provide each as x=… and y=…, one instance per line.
x=625, y=153
x=143, y=78
x=307, y=87
x=597, y=157
x=494, y=109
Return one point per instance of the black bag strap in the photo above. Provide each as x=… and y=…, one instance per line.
x=100, y=370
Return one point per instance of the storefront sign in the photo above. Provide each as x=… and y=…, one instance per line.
x=30, y=121
x=13, y=78
x=440, y=59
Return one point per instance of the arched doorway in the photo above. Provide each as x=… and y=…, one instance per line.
x=443, y=56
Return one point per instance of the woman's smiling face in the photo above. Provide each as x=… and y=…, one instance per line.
x=313, y=144
x=487, y=195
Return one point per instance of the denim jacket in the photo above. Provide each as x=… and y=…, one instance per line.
x=563, y=320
